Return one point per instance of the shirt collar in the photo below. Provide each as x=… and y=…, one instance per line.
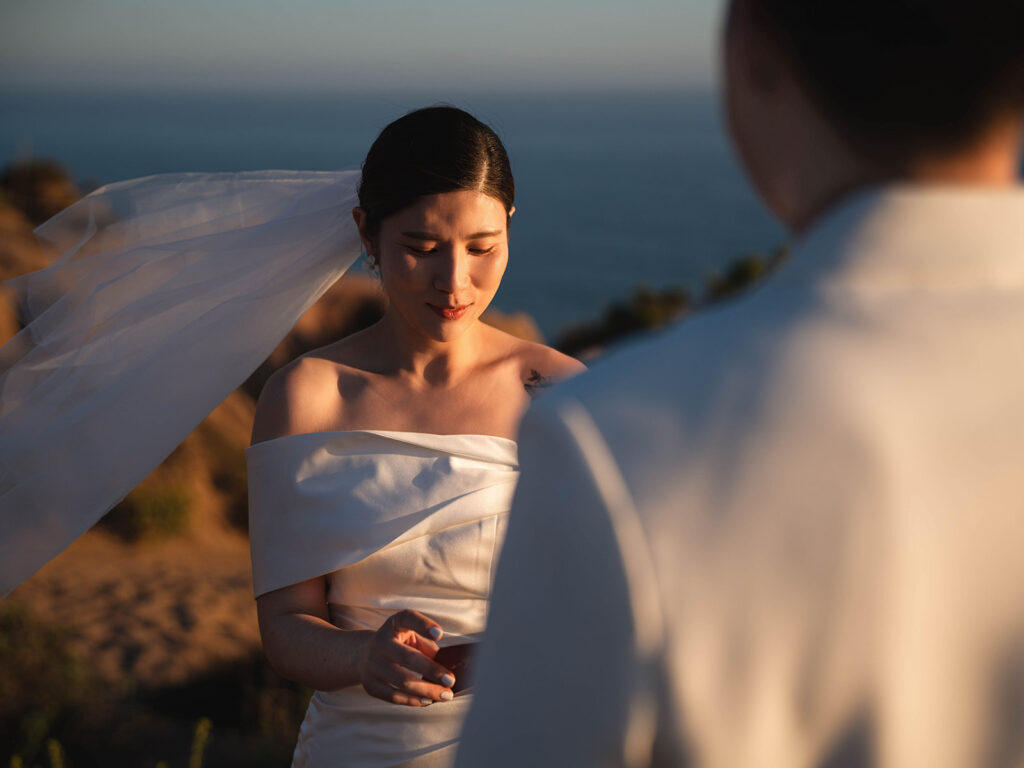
x=919, y=236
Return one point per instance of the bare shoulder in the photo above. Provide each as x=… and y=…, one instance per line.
x=294, y=396
x=550, y=362
x=541, y=365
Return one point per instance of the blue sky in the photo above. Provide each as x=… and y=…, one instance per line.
x=361, y=44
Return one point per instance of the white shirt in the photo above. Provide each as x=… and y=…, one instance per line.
x=789, y=531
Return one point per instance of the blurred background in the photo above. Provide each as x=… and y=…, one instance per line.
x=138, y=646
x=623, y=171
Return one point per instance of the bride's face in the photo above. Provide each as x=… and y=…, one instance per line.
x=441, y=260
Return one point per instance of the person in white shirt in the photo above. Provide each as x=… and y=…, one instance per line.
x=788, y=532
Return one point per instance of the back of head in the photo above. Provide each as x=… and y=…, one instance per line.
x=431, y=151
x=900, y=79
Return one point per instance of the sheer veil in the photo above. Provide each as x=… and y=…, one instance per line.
x=168, y=292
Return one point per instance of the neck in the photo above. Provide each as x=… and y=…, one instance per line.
x=991, y=161
x=425, y=361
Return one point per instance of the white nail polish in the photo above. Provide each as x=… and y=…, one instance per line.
x=426, y=702
x=447, y=695
x=447, y=680
x=435, y=632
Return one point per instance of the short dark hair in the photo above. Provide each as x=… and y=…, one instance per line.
x=428, y=152
x=901, y=78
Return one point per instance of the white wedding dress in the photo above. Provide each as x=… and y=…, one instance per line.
x=394, y=520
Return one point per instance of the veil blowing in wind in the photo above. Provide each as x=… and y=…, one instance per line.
x=168, y=292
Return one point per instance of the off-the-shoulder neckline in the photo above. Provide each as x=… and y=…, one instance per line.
x=397, y=433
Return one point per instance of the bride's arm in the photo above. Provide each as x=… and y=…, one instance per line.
x=394, y=663
x=302, y=645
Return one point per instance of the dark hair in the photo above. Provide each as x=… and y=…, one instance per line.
x=430, y=151
x=901, y=78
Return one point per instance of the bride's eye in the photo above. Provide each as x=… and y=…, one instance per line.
x=420, y=251
x=482, y=251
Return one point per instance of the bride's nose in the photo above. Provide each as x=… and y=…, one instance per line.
x=452, y=271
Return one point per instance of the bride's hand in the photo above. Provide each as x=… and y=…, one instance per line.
x=398, y=662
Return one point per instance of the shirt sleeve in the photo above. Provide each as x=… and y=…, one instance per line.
x=554, y=673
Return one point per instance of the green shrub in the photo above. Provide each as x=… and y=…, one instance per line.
x=743, y=273
x=648, y=309
x=150, y=513
x=56, y=753
x=200, y=738
x=42, y=684
x=645, y=310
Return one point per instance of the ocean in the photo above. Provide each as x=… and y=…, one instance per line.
x=613, y=191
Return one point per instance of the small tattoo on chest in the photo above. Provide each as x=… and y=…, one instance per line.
x=536, y=383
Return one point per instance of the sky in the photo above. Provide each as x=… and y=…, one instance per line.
x=361, y=45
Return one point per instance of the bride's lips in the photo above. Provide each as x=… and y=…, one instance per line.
x=450, y=313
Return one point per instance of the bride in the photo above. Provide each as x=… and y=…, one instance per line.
x=383, y=465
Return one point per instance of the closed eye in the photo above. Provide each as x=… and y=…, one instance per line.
x=482, y=251
x=421, y=251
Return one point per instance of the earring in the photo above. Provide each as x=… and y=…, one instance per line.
x=371, y=263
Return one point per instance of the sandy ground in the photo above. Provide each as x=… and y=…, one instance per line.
x=156, y=613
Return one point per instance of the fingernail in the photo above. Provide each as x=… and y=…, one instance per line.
x=447, y=680
x=435, y=632
x=426, y=702
x=447, y=695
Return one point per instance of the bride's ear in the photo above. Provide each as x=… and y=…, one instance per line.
x=360, y=218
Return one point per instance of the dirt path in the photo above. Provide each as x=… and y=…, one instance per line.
x=157, y=613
